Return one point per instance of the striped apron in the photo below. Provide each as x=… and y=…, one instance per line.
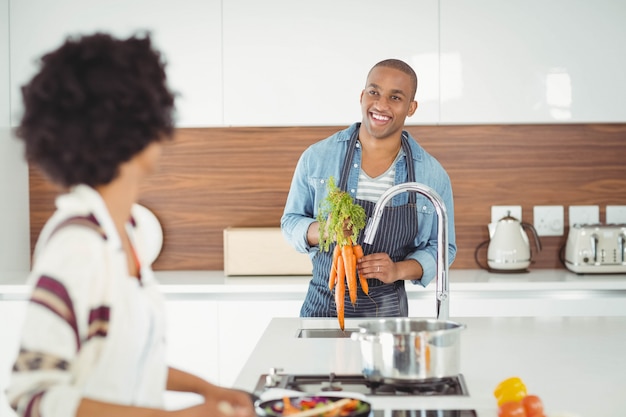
x=395, y=236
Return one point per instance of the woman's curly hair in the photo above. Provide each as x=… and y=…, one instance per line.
x=95, y=103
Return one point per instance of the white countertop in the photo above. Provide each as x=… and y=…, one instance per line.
x=575, y=364
x=473, y=292
x=463, y=282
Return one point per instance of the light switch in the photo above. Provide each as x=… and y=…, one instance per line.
x=548, y=220
x=584, y=215
x=498, y=212
x=616, y=214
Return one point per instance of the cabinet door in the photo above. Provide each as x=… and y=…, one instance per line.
x=192, y=344
x=532, y=61
x=187, y=32
x=241, y=325
x=423, y=307
x=11, y=318
x=306, y=63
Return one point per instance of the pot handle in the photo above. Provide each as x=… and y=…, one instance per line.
x=364, y=337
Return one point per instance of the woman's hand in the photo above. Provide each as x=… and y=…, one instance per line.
x=230, y=402
x=218, y=401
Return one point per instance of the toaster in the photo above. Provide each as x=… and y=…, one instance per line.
x=596, y=249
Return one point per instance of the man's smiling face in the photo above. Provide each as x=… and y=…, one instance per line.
x=386, y=102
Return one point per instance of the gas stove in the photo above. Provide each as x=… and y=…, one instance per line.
x=403, y=391
x=358, y=383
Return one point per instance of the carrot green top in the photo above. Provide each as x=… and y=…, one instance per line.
x=338, y=211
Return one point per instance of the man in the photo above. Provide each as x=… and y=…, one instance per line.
x=368, y=158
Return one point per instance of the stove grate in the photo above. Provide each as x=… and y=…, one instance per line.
x=358, y=383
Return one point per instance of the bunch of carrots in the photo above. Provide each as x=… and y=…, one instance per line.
x=341, y=221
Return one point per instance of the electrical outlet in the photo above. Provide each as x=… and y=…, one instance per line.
x=498, y=212
x=584, y=215
x=616, y=214
x=548, y=220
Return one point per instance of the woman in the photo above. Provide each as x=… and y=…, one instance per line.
x=93, y=341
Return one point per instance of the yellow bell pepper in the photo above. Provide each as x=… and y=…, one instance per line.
x=511, y=389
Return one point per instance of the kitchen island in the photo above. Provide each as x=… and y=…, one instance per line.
x=216, y=342
x=575, y=364
x=215, y=345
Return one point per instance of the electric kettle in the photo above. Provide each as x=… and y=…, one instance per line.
x=509, y=247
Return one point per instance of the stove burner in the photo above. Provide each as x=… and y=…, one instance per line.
x=430, y=387
x=331, y=385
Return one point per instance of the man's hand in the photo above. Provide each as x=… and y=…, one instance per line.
x=380, y=266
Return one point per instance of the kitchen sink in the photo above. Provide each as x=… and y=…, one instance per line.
x=324, y=333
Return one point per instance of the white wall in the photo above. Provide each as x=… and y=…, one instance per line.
x=14, y=223
x=14, y=228
x=281, y=63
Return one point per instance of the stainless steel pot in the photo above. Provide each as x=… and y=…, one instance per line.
x=405, y=349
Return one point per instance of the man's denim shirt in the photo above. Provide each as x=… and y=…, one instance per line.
x=325, y=159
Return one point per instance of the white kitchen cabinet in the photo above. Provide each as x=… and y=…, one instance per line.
x=306, y=63
x=572, y=304
x=424, y=307
x=282, y=63
x=520, y=303
x=192, y=340
x=188, y=32
x=192, y=343
x=241, y=324
x=213, y=339
x=11, y=318
x=532, y=61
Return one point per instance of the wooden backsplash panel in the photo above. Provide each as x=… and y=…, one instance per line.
x=213, y=178
x=527, y=165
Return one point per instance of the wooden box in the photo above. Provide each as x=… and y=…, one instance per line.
x=262, y=251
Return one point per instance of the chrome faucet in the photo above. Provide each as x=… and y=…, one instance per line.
x=442, y=290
